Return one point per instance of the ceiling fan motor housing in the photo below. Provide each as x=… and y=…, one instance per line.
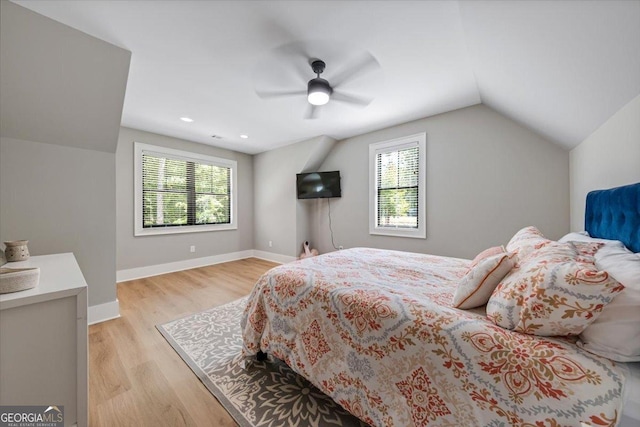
x=319, y=85
x=318, y=91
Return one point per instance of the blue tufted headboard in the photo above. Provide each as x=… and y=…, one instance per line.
x=615, y=214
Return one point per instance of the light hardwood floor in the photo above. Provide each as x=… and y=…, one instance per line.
x=135, y=377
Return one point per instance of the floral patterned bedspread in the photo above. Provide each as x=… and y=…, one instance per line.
x=374, y=329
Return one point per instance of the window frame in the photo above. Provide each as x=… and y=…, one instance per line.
x=419, y=140
x=139, y=229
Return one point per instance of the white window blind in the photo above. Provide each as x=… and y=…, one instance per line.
x=397, y=181
x=397, y=187
x=180, y=191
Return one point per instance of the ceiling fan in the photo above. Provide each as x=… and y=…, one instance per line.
x=320, y=91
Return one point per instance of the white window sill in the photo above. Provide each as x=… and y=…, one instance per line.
x=414, y=234
x=180, y=230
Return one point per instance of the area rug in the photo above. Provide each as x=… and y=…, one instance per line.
x=265, y=394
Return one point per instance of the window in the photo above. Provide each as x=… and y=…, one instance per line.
x=397, y=185
x=181, y=192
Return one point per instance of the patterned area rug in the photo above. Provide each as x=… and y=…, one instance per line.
x=265, y=394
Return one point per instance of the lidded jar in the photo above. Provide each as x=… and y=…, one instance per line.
x=16, y=250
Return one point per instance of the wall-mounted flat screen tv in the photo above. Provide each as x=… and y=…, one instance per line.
x=318, y=185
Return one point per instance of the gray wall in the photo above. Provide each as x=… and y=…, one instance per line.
x=279, y=216
x=487, y=177
x=276, y=206
x=608, y=158
x=62, y=199
x=61, y=101
x=133, y=252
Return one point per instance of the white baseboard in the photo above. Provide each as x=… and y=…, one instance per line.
x=101, y=312
x=270, y=256
x=154, y=270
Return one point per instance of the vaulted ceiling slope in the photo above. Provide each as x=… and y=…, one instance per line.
x=561, y=68
x=59, y=85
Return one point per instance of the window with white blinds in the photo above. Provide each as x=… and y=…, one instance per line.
x=397, y=179
x=178, y=191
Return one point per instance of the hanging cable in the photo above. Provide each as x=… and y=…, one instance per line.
x=330, y=226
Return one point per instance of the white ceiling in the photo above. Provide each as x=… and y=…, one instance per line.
x=560, y=68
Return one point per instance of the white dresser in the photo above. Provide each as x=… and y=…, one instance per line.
x=43, y=339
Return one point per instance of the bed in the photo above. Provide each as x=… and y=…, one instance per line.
x=377, y=331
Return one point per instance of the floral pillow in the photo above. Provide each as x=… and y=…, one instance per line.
x=496, y=250
x=476, y=286
x=526, y=241
x=587, y=250
x=556, y=290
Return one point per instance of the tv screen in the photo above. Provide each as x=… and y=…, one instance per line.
x=318, y=185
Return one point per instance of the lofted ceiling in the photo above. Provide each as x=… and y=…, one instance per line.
x=560, y=68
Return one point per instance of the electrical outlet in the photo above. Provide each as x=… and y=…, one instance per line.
x=340, y=247
x=192, y=249
x=270, y=244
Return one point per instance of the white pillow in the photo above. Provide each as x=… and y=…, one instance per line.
x=476, y=286
x=583, y=236
x=615, y=334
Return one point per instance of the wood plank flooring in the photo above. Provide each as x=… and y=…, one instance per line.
x=135, y=377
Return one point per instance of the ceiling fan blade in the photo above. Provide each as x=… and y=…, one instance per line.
x=279, y=93
x=274, y=26
x=311, y=113
x=298, y=58
x=358, y=68
x=295, y=49
x=351, y=99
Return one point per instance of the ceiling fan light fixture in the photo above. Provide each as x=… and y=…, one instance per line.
x=318, y=91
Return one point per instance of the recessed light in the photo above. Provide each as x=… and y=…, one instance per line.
x=243, y=136
x=186, y=119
